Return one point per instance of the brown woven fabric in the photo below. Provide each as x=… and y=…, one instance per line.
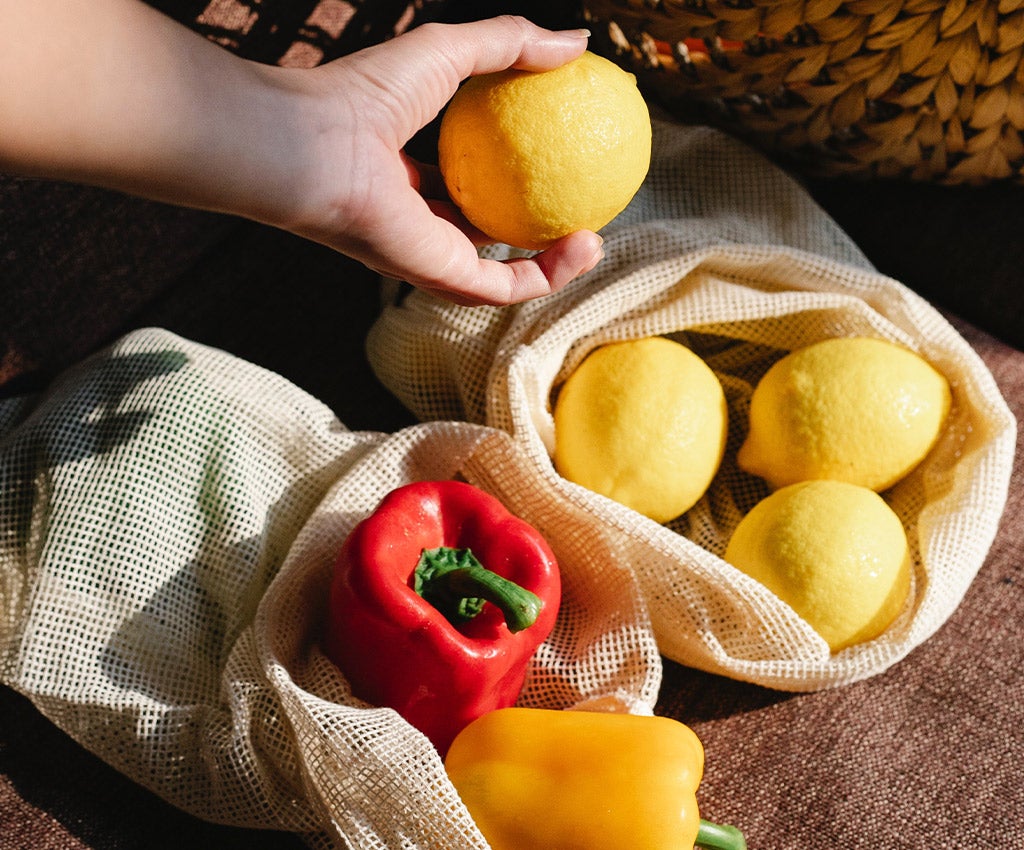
x=74, y=261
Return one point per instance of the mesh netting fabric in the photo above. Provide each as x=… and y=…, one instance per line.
x=728, y=255
x=170, y=517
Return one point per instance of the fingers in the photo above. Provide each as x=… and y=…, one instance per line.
x=514, y=281
x=431, y=246
x=570, y=257
x=417, y=73
x=513, y=42
x=408, y=228
x=494, y=44
x=451, y=213
x=552, y=269
x=424, y=178
x=427, y=180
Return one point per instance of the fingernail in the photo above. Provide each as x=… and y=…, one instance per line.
x=598, y=256
x=578, y=33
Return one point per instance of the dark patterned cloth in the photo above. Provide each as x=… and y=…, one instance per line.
x=299, y=33
x=926, y=755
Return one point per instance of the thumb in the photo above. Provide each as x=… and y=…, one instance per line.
x=508, y=41
x=424, y=66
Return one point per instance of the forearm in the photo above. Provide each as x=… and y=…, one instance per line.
x=113, y=93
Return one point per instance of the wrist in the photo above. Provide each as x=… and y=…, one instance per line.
x=262, y=150
x=317, y=151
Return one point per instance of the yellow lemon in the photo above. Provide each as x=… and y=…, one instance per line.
x=852, y=409
x=835, y=552
x=643, y=422
x=530, y=157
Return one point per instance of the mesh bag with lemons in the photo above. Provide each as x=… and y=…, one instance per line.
x=702, y=257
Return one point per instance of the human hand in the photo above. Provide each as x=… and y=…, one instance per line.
x=141, y=104
x=364, y=197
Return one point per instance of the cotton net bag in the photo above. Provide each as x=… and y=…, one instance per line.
x=726, y=254
x=170, y=517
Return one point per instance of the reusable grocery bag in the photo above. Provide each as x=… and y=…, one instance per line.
x=728, y=255
x=170, y=515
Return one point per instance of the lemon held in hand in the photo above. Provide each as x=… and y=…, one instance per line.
x=852, y=409
x=530, y=157
x=835, y=552
x=643, y=422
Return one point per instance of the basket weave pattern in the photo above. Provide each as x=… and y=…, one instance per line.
x=922, y=89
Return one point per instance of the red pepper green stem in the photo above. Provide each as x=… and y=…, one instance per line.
x=457, y=584
x=719, y=836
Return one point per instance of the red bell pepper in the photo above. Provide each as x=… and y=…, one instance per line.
x=439, y=599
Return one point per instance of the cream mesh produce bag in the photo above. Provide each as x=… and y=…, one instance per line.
x=170, y=517
x=729, y=256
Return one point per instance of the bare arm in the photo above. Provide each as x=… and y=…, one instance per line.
x=113, y=93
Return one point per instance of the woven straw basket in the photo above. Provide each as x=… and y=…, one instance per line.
x=922, y=89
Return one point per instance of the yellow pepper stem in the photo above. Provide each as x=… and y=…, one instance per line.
x=719, y=836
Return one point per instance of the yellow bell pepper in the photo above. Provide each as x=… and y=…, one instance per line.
x=537, y=779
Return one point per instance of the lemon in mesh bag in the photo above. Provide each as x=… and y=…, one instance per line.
x=853, y=409
x=835, y=552
x=643, y=422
